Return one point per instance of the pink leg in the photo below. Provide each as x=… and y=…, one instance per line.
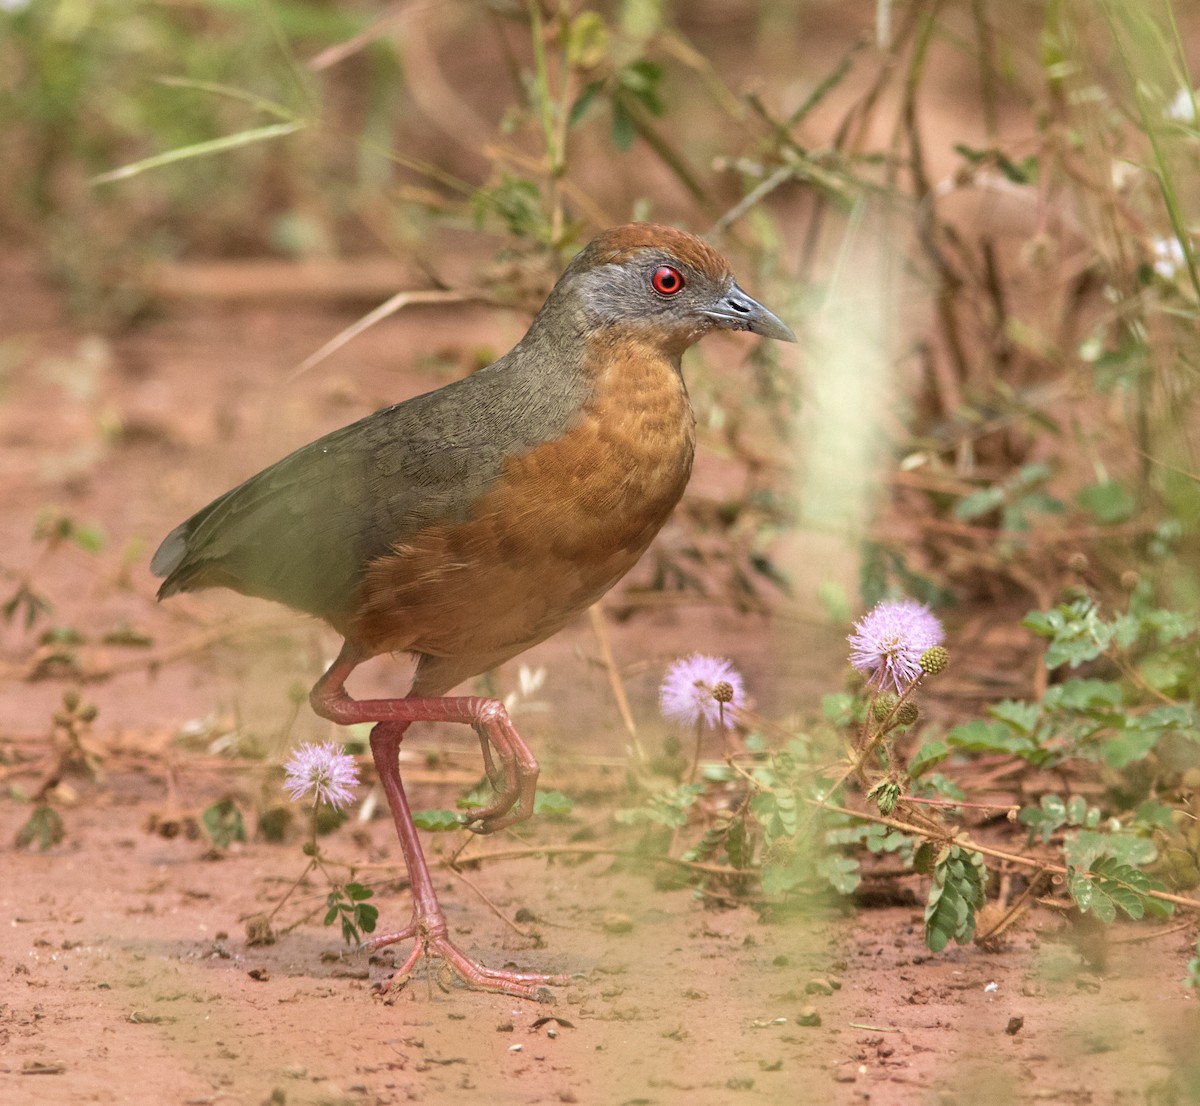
x=428, y=925
x=516, y=781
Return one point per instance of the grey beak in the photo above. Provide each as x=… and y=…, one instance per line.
x=737, y=311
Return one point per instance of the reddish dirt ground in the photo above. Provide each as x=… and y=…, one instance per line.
x=128, y=978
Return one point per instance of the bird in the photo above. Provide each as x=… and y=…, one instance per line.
x=464, y=525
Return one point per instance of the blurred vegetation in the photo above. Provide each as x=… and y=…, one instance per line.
x=1024, y=255
x=979, y=214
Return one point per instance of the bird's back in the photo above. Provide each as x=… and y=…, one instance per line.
x=303, y=531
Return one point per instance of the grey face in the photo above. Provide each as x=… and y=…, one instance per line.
x=691, y=305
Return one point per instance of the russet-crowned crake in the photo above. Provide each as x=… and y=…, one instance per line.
x=467, y=524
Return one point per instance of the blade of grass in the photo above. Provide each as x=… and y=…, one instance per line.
x=218, y=89
x=201, y=149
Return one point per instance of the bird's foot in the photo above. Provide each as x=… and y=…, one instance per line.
x=514, y=780
x=478, y=977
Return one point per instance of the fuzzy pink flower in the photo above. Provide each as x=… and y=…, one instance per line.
x=889, y=640
x=325, y=771
x=695, y=688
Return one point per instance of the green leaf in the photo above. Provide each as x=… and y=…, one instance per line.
x=1108, y=502
x=1088, y=896
x=739, y=844
x=664, y=808
x=978, y=736
x=1045, y=818
x=1026, y=172
x=1077, y=633
x=890, y=841
x=785, y=871
x=842, y=872
x=356, y=892
x=1110, y=884
x=26, y=600
x=1015, y=518
x=552, y=804
x=928, y=756
x=956, y=892
x=1082, y=695
x=44, y=827
x=61, y=635
x=516, y=200
x=1176, y=716
x=583, y=101
x=979, y=503
x=642, y=80
x=1140, y=733
x=1077, y=810
x=974, y=156
x=1173, y=625
x=787, y=810
x=224, y=823
x=438, y=820
x=1085, y=847
x=623, y=129
x=1155, y=815
x=1020, y=716
x=841, y=708
x=89, y=538
x=1128, y=748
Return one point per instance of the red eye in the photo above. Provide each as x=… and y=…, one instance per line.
x=667, y=281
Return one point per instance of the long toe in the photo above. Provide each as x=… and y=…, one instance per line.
x=382, y=940
x=500, y=980
x=477, y=976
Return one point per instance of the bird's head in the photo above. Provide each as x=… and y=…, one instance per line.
x=664, y=281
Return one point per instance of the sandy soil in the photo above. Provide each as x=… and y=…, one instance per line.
x=128, y=978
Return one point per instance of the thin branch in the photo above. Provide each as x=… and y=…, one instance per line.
x=965, y=842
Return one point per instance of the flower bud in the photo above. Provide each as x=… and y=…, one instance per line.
x=885, y=702
x=723, y=692
x=935, y=659
x=907, y=714
x=885, y=793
